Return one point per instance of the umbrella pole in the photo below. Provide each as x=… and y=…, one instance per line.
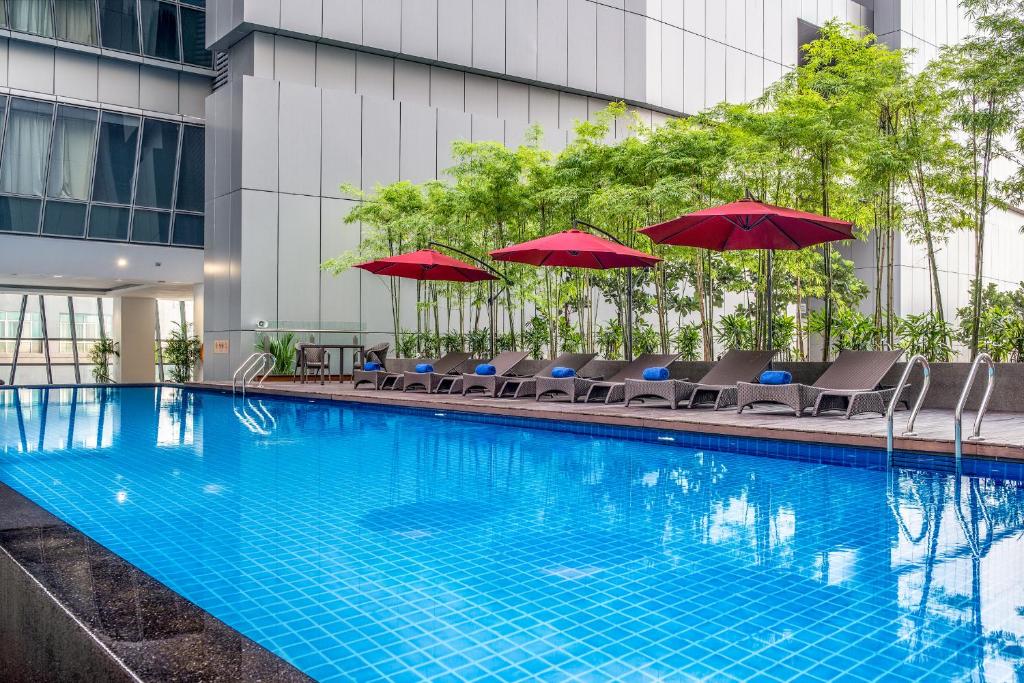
x=628, y=337
x=769, y=294
x=490, y=313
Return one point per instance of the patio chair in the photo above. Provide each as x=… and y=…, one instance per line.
x=316, y=359
x=611, y=390
x=717, y=388
x=851, y=384
x=378, y=379
x=430, y=381
x=517, y=387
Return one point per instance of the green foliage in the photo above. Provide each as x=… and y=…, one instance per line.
x=686, y=342
x=609, y=340
x=100, y=354
x=182, y=352
x=451, y=342
x=535, y=336
x=407, y=345
x=851, y=329
x=282, y=348
x=735, y=331
x=926, y=334
x=479, y=342
x=645, y=339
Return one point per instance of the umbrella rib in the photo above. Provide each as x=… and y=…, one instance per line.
x=703, y=220
x=829, y=228
x=788, y=236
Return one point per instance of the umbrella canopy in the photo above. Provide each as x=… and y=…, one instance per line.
x=426, y=264
x=575, y=249
x=749, y=224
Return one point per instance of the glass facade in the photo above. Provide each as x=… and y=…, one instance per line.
x=174, y=30
x=75, y=172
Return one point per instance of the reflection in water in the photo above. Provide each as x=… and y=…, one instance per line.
x=578, y=552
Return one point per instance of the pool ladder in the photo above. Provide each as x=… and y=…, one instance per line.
x=926, y=370
x=958, y=416
x=250, y=370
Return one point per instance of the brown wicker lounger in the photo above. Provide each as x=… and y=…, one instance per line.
x=379, y=379
x=452, y=383
x=850, y=384
x=430, y=381
x=517, y=387
x=611, y=390
x=717, y=388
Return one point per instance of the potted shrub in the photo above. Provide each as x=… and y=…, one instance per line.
x=182, y=351
x=282, y=349
x=100, y=355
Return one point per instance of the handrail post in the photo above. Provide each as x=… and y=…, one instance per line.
x=900, y=388
x=958, y=415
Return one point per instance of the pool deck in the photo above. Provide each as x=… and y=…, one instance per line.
x=1003, y=433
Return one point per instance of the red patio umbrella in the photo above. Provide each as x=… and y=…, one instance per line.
x=426, y=264
x=578, y=249
x=750, y=224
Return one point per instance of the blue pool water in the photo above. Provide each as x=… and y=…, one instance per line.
x=366, y=544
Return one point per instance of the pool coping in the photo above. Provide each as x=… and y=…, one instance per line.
x=75, y=609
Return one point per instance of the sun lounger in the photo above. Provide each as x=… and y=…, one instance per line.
x=515, y=386
x=851, y=384
x=378, y=379
x=717, y=388
x=611, y=390
x=429, y=381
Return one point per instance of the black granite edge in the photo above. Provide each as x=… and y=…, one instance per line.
x=157, y=634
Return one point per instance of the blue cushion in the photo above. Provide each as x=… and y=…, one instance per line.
x=656, y=374
x=776, y=377
x=424, y=367
x=562, y=373
x=485, y=369
x=371, y=366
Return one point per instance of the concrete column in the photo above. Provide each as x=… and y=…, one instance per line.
x=135, y=330
x=198, y=325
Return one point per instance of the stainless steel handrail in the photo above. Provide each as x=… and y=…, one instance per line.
x=926, y=369
x=250, y=368
x=982, y=409
x=242, y=369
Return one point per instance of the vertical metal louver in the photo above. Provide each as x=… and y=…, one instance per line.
x=222, y=65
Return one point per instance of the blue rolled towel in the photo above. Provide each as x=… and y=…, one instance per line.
x=562, y=373
x=486, y=369
x=776, y=377
x=656, y=374
x=371, y=366
x=424, y=367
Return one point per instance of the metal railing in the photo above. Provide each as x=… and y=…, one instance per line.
x=926, y=370
x=982, y=409
x=250, y=370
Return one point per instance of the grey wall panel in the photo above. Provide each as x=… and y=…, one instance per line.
x=192, y=92
x=582, y=70
x=513, y=101
x=303, y=17
x=30, y=67
x=342, y=142
x=695, y=17
x=693, y=73
x=258, y=224
x=488, y=128
x=339, y=294
x=216, y=264
x=714, y=80
x=482, y=95
x=515, y=133
x=674, y=11
x=417, y=155
x=552, y=41
x=451, y=126
x=294, y=60
x=4, y=60
x=655, y=42
x=716, y=21
x=234, y=253
x=772, y=73
x=455, y=31
x=335, y=68
x=382, y=24
x=735, y=75
x=262, y=12
x=756, y=18
x=375, y=75
x=521, y=42
x=381, y=134
x=754, y=77
x=489, y=35
x=544, y=107
x=735, y=26
x=298, y=296
x=635, y=57
x=260, y=125
x=299, y=139
x=773, y=30
x=571, y=108
x=790, y=41
x=264, y=53
x=594, y=107
x=118, y=82
x=343, y=20
x=77, y=75
x=554, y=139
x=158, y=89
x=419, y=28
x=447, y=89
x=412, y=82
x=672, y=67
x=611, y=32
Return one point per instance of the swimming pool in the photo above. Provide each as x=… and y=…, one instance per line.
x=366, y=543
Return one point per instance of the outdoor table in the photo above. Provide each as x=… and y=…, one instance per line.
x=301, y=360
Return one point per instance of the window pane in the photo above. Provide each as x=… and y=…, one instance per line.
x=32, y=16
x=151, y=226
x=119, y=25
x=115, y=162
x=64, y=218
x=26, y=146
x=160, y=29
x=156, y=164
x=188, y=230
x=197, y=3
x=3, y=14
x=74, y=144
x=19, y=215
x=109, y=223
x=76, y=20
x=192, y=171
x=193, y=37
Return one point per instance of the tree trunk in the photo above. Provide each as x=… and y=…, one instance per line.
x=979, y=240
x=827, y=252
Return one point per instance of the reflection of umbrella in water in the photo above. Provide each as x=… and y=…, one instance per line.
x=428, y=518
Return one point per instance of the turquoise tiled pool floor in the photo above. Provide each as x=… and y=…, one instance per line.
x=363, y=544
